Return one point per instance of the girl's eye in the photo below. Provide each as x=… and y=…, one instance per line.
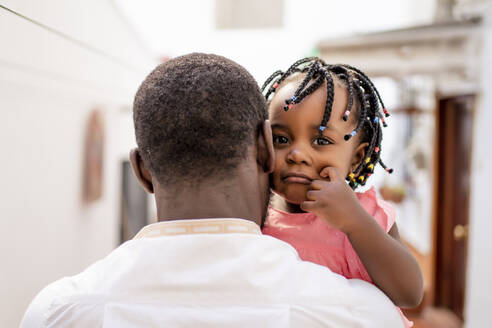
x=280, y=140
x=322, y=141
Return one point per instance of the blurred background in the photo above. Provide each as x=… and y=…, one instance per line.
x=69, y=71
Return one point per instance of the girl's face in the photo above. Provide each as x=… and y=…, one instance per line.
x=300, y=152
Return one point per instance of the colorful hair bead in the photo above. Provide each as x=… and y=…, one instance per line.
x=389, y=170
x=385, y=111
x=376, y=120
x=384, y=122
x=293, y=99
x=370, y=167
x=376, y=149
x=346, y=115
x=368, y=159
x=275, y=85
x=361, y=178
x=348, y=136
x=322, y=128
x=353, y=184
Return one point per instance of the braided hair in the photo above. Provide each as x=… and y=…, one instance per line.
x=370, y=116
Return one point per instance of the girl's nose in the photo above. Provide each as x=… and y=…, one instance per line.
x=297, y=155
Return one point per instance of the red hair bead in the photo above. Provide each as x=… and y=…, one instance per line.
x=275, y=85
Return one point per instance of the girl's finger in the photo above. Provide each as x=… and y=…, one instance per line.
x=332, y=173
x=308, y=205
x=317, y=184
x=312, y=194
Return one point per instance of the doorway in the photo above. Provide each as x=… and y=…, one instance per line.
x=454, y=137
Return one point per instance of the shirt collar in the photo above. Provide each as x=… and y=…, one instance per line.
x=198, y=226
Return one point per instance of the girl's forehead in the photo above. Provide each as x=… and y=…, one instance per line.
x=309, y=112
x=316, y=101
x=311, y=108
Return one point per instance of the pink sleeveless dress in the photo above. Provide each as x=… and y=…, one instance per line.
x=317, y=242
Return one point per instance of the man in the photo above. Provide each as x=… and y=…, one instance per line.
x=205, y=151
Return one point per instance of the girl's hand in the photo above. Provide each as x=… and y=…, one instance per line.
x=389, y=263
x=333, y=200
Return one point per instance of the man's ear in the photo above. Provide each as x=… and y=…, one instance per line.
x=265, y=153
x=141, y=172
x=359, y=154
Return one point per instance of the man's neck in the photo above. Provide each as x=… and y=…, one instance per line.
x=237, y=198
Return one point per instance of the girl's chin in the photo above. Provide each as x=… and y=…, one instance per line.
x=292, y=198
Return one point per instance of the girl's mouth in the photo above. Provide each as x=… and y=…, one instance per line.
x=296, y=178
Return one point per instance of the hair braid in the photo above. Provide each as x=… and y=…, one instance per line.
x=315, y=85
x=330, y=94
x=386, y=113
x=345, y=75
x=292, y=69
x=310, y=73
x=363, y=108
x=270, y=79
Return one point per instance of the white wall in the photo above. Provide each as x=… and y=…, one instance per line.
x=48, y=86
x=174, y=28
x=479, y=275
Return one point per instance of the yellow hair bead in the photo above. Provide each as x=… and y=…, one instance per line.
x=351, y=176
x=368, y=160
x=361, y=178
x=370, y=166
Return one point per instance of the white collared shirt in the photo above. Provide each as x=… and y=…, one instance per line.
x=208, y=273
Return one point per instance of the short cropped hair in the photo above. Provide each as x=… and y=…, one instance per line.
x=195, y=117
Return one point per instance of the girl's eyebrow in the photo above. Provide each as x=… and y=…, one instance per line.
x=316, y=127
x=329, y=127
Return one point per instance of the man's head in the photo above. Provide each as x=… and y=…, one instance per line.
x=195, y=117
x=198, y=119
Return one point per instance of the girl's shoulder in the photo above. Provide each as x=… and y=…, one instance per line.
x=382, y=211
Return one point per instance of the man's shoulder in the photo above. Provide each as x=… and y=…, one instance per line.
x=66, y=292
x=40, y=307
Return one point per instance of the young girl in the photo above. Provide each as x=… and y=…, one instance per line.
x=326, y=122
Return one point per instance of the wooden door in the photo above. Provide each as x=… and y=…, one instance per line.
x=454, y=139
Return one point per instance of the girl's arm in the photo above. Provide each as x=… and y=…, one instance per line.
x=389, y=263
